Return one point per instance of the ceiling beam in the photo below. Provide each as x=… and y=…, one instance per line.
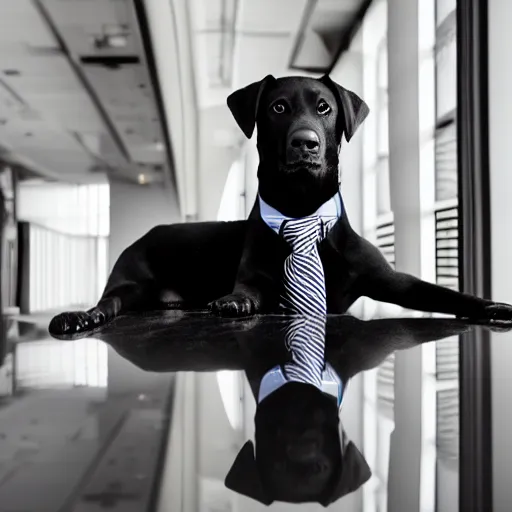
x=141, y=15
x=350, y=33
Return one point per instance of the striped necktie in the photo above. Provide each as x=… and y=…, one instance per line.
x=304, y=295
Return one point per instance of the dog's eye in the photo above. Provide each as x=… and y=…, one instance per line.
x=279, y=108
x=323, y=108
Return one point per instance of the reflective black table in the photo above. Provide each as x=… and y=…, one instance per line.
x=156, y=412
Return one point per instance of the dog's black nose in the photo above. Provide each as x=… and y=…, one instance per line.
x=305, y=140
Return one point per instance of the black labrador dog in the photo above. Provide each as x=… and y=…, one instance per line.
x=235, y=268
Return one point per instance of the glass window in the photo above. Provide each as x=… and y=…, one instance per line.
x=443, y=9
x=446, y=67
x=446, y=162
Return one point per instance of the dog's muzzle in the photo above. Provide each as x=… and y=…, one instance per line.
x=303, y=145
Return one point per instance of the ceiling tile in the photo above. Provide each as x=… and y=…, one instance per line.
x=260, y=56
x=270, y=15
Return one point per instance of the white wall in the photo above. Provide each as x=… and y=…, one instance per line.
x=219, y=143
x=134, y=210
x=500, y=85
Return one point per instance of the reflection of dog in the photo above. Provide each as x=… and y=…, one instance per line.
x=300, y=455
x=300, y=126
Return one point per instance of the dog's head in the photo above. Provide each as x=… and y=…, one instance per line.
x=300, y=124
x=300, y=454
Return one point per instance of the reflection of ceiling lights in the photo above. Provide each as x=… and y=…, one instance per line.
x=159, y=146
x=142, y=179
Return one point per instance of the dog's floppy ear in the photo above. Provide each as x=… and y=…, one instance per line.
x=243, y=477
x=354, y=473
x=354, y=109
x=245, y=102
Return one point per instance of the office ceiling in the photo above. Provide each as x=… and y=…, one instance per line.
x=241, y=41
x=76, y=100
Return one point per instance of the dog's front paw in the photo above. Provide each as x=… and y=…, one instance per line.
x=73, y=324
x=498, y=312
x=233, y=305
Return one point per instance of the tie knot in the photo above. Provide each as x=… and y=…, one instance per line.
x=303, y=234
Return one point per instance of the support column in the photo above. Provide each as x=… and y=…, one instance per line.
x=475, y=460
x=411, y=158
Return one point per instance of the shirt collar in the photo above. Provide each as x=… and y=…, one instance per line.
x=273, y=218
x=276, y=378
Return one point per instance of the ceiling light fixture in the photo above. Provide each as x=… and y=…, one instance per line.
x=113, y=36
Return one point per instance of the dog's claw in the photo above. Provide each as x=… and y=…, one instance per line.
x=496, y=316
x=498, y=312
x=74, y=323
x=232, y=306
